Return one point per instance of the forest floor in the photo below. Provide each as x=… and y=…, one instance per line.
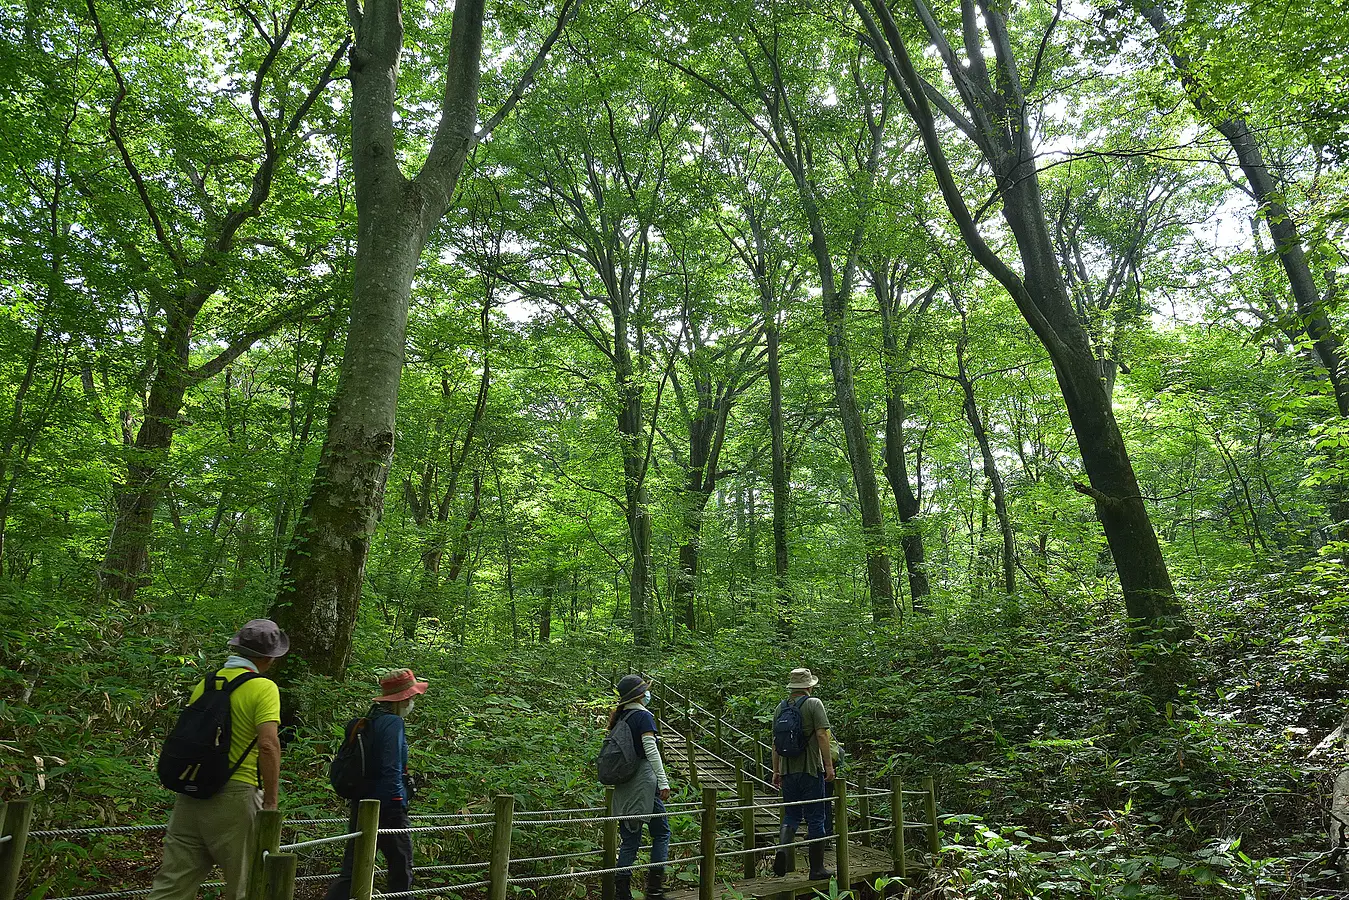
x=1058, y=777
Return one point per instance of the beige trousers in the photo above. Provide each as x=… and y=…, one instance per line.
x=202, y=832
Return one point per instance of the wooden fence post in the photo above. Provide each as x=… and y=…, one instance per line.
x=607, y=889
x=745, y=796
x=363, y=851
x=721, y=747
x=279, y=874
x=841, y=829
x=691, y=752
x=707, y=865
x=933, y=835
x=901, y=862
x=499, y=867
x=15, y=817
x=864, y=808
x=264, y=836
x=758, y=761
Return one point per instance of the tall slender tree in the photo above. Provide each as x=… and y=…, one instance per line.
x=995, y=119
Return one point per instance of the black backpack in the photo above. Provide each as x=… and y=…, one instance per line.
x=617, y=762
x=196, y=756
x=789, y=729
x=348, y=773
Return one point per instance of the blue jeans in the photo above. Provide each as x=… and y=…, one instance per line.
x=630, y=838
x=800, y=786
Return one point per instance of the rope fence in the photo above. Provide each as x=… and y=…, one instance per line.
x=288, y=848
x=273, y=864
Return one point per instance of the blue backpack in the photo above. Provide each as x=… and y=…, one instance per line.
x=789, y=729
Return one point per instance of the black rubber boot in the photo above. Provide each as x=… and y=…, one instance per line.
x=817, y=870
x=780, y=858
x=623, y=886
x=655, y=884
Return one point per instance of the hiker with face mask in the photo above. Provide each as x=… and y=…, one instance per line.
x=385, y=778
x=642, y=793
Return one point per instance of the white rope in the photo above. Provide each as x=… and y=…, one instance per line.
x=109, y=829
x=477, y=815
x=332, y=877
x=586, y=873
x=853, y=834
x=774, y=847
x=594, y=819
x=444, y=888
x=429, y=828
x=314, y=843
x=113, y=895
x=535, y=859
x=6, y=838
x=290, y=822
x=558, y=812
x=453, y=867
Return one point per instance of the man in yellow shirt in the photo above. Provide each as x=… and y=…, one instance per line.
x=215, y=829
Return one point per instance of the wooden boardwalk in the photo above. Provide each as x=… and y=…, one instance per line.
x=734, y=772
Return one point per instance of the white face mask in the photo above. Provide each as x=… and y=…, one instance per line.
x=412, y=702
x=646, y=699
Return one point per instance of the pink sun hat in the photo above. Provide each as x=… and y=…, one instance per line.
x=400, y=684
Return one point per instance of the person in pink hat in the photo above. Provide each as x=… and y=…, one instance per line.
x=387, y=774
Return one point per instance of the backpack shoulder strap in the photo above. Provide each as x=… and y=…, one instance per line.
x=229, y=689
x=240, y=679
x=802, y=702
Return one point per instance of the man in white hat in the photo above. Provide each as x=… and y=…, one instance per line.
x=802, y=764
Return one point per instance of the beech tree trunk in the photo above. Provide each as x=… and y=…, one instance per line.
x=325, y=563
x=782, y=492
x=907, y=502
x=195, y=279
x=320, y=590
x=126, y=563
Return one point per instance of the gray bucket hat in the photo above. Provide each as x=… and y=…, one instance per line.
x=261, y=637
x=632, y=687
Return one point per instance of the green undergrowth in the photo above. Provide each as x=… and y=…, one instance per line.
x=1058, y=777
x=92, y=692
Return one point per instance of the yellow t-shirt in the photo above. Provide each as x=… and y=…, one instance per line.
x=253, y=703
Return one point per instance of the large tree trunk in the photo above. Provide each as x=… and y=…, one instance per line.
x=859, y=458
x=126, y=563
x=1149, y=598
x=782, y=496
x=632, y=433
x=325, y=564
x=197, y=278
x=320, y=590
